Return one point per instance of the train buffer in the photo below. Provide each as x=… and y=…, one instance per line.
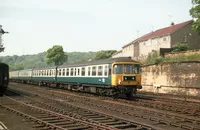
x=2, y=126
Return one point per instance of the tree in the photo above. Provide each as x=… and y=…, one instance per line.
x=195, y=13
x=56, y=55
x=104, y=54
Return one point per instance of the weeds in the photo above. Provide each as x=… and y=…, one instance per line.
x=154, y=59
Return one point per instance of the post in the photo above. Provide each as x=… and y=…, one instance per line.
x=1, y=43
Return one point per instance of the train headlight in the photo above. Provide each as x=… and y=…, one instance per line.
x=119, y=81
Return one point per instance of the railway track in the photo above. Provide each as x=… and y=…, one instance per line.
x=132, y=112
x=58, y=113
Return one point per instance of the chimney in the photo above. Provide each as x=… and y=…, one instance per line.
x=172, y=23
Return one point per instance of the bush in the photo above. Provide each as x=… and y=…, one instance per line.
x=180, y=47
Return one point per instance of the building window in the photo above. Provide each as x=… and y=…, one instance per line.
x=164, y=39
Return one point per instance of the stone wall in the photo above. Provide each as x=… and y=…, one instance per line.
x=176, y=78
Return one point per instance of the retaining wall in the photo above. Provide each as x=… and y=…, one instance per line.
x=181, y=78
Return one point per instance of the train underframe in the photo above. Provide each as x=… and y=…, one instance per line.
x=2, y=89
x=114, y=91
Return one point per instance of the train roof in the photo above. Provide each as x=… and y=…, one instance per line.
x=104, y=61
x=3, y=64
x=52, y=67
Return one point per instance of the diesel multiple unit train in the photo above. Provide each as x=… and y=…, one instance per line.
x=111, y=76
x=4, y=77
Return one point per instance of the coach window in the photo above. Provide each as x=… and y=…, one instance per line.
x=89, y=71
x=83, y=71
x=63, y=72
x=49, y=72
x=100, y=70
x=94, y=71
x=78, y=71
x=71, y=72
x=59, y=72
x=106, y=70
x=74, y=71
x=67, y=72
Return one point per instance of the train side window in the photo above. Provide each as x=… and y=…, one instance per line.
x=74, y=71
x=106, y=70
x=63, y=72
x=100, y=70
x=59, y=72
x=109, y=73
x=94, y=71
x=89, y=71
x=67, y=72
x=78, y=71
x=71, y=72
x=49, y=72
x=83, y=71
x=54, y=72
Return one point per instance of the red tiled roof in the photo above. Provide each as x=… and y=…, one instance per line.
x=161, y=32
x=164, y=31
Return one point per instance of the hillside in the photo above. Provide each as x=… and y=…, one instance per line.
x=38, y=60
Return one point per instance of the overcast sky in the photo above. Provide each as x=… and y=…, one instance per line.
x=83, y=25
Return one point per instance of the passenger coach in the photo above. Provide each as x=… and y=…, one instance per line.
x=111, y=76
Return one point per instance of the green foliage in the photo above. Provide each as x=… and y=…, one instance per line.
x=195, y=13
x=56, y=55
x=180, y=47
x=153, y=59
x=104, y=54
x=38, y=60
x=75, y=57
x=159, y=59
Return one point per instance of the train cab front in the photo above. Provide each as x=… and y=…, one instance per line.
x=126, y=77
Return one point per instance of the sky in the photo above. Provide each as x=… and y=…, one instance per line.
x=34, y=26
